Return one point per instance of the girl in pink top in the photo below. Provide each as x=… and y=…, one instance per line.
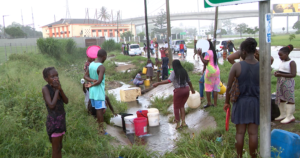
x=212, y=74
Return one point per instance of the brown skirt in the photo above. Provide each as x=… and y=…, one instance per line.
x=149, y=71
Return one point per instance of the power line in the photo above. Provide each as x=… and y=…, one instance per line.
x=158, y=8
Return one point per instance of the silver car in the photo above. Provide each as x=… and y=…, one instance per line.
x=134, y=49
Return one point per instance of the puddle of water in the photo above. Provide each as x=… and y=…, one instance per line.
x=162, y=137
x=123, y=66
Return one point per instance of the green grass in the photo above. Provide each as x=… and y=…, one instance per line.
x=23, y=112
x=5, y=52
x=162, y=104
x=277, y=40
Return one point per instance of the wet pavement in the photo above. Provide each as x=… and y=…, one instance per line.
x=161, y=138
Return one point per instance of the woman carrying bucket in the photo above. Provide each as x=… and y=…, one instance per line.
x=182, y=85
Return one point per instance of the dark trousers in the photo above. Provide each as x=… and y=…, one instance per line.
x=164, y=73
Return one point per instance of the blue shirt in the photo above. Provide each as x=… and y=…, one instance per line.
x=96, y=92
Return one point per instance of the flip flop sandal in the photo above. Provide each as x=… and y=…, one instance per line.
x=206, y=106
x=183, y=126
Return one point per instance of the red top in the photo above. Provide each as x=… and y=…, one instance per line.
x=162, y=53
x=181, y=46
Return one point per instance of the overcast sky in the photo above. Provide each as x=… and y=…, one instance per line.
x=44, y=11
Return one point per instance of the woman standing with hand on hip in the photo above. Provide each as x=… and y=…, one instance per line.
x=285, y=95
x=245, y=110
x=182, y=85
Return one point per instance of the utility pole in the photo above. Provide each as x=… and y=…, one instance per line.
x=216, y=26
x=264, y=81
x=169, y=38
x=147, y=35
x=33, y=23
x=22, y=18
x=198, y=20
x=118, y=14
x=4, y=26
x=54, y=18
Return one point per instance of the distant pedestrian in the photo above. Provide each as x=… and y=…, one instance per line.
x=165, y=66
x=123, y=48
x=156, y=48
x=181, y=47
x=195, y=49
x=138, y=79
x=158, y=65
x=149, y=67
x=55, y=98
x=182, y=86
x=166, y=45
x=162, y=52
x=230, y=47
x=285, y=95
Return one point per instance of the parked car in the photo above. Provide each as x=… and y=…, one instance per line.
x=134, y=49
x=175, y=46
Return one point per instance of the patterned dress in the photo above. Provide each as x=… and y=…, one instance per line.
x=56, y=119
x=212, y=73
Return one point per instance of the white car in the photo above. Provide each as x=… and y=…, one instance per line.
x=134, y=49
x=220, y=45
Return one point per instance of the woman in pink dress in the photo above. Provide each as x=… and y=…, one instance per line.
x=212, y=74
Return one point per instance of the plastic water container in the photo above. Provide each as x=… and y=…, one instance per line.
x=194, y=100
x=142, y=113
x=129, y=124
x=117, y=120
x=170, y=70
x=287, y=141
x=222, y=88
x=153, y=119
x=153, y=110
x=140, y=126
x=147, y=82
x=123, y=115
x=144, y=70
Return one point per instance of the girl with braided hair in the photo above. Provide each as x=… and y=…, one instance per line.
x=55, y=98
x=285, y=96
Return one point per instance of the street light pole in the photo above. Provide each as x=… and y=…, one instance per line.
x=264, y=81
x=4, y=26
x=169, y=38
x=216, y=26
x=147, y=35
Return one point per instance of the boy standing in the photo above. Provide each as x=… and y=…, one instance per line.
x=96, y=75
x=182, y=49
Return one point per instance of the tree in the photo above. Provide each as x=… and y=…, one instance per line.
x=297, y=26
x=28, y=30
x=14, y=32
x=192, y=31
x=141, y=35
x=248, y=31
x=103, y=15
x=176, y=30
x=241, y=28
x=256, y=29
x=229, y=25
x=160, y=23
x=292, y=36
x=126, y=35
x=223, y=32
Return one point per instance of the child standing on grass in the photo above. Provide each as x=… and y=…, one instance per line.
x=149, y=67
x=285, y=95
x=54, y=98
x=87, y=63
x=158, y=64
x=138, y=79
x=96, y=75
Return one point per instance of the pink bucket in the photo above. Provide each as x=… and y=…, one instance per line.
x=140, y=126
x=92, y=51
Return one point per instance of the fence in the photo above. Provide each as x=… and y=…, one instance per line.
x=6, y=49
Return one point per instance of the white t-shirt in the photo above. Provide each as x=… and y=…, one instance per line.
x=87, y=98
x=166, y=45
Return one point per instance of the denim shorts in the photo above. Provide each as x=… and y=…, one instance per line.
x=181, y=50
x=98, y=104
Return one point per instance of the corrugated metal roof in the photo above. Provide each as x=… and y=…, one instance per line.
x=76, y=21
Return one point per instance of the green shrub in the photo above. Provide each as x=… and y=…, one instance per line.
x=188, y=66
x=118, y=47
x=297, y=32
x=70, y=45
x=50, y=46
x=108, y=45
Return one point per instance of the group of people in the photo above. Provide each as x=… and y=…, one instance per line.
x=245, y=110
